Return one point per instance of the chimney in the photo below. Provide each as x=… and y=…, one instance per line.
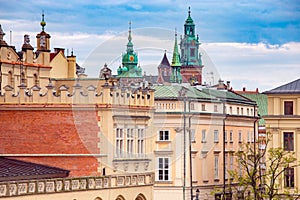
x=244, y=89
x=228, y=85
x=256, y=90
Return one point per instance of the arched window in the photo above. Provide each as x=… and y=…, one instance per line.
x=98, y=198
x=120, y=197
x=10, y=79
x=140, y=197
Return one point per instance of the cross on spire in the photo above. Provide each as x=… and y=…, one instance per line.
x=43, y=23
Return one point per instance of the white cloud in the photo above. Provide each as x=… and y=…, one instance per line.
x=245, y=64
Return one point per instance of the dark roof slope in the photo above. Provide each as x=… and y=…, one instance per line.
x=11, y=169
x=289, y=88
x=164, y=62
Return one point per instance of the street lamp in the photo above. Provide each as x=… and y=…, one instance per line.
x=197, y=194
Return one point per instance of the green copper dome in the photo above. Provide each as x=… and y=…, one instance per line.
x=129, y=61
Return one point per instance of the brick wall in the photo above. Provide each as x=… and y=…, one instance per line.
x=47, y=131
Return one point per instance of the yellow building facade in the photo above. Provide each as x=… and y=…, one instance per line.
x=282, y=122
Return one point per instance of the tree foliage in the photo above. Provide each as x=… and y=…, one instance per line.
x=259, y=172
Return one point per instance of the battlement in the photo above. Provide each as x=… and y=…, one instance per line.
x=107, y=94
x=68, y=185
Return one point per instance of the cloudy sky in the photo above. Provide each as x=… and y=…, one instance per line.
x=253, y=44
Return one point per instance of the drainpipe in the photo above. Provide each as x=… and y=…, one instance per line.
x=224, y=133
x=184, y=146
x=190, y=152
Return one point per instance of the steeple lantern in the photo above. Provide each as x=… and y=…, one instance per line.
x=43, y=38
x=189, y=26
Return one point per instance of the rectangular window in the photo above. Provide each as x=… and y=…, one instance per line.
x=215, y=108
x=140, y=141
x=248, y=136
x=225, y=136
x=164, y=135
x=193, y=139
x=240, y=136
x=130, y=138
x=203, y=107
x=288, y=143
x=230, y=110
x=203, y=135
x=216, y=167
x=237, y=110
x=242, y=111
x=192, y=106
x=231, y=136
x=231, y=162
x=289, y=177
x=119, y=142
x=216, y=136
x=247, y=111
x=288, y=108
x=225, y=166
x=163, y=169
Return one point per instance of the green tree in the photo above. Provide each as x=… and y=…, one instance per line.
x=260, y=171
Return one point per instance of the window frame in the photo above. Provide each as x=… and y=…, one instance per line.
x=287, y=144
x=163, y=135
x=289, y=177
x=163, y=169
x=288, y=107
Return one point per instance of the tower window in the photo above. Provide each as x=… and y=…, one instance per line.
x=192, y=52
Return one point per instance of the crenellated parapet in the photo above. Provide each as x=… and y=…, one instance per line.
x=108, y=94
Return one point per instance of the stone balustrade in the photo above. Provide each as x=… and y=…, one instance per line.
x=107, y=94
x=61, y=185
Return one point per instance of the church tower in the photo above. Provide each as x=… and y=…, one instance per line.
x=191, y=63
x=43, y=38
x=176, y=65
x=129, y=67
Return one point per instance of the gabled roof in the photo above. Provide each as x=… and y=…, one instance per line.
x=11, y=170
x=289, y=88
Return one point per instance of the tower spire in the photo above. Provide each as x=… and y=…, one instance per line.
x=129, y=44
x=43, y=23
x=175, y=58
x=129, y=32
x=176, y=76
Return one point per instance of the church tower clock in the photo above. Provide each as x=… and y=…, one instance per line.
x=191, y=63
x=43, y=38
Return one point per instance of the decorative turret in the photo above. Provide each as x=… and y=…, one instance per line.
x=191, y=69
x=129, y=61
x=176, y=65
x=43, y=38
x=2, y=42
x=189, y=26
x=164, y=70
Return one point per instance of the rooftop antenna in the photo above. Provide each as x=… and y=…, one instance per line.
x=10, y=37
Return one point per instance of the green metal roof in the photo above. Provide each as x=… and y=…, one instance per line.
x=262, y=103
x=227, y=95
x=172, y=92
